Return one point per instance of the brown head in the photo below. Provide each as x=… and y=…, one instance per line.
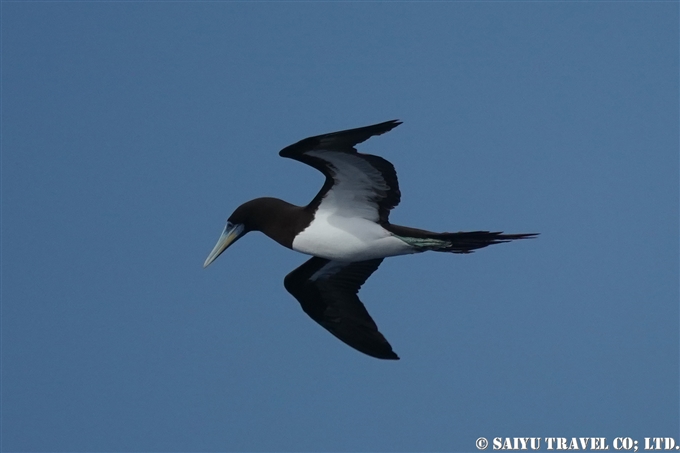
x=277, y=219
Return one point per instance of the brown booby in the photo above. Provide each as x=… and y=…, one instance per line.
x=347, y=231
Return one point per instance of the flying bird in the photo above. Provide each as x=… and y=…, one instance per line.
x=346, y=230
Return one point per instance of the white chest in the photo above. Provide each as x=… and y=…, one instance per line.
x=341, y=238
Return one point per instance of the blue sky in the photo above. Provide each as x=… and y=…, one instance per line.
x=131, y=130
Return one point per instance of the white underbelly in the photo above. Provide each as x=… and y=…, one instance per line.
x=348, y=239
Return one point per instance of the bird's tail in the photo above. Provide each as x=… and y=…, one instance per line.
x=461, y=242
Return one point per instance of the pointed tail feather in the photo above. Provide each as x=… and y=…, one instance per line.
x=461, y=242
x=466, y=242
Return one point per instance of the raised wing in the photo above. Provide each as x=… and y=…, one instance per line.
x=357, y=185
x=327, y=291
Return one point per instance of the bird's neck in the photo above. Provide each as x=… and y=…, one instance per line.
x=280, y=220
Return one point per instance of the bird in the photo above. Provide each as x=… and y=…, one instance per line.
x=347, y=232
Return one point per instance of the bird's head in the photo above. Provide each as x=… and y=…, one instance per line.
x=237, y=226
x=275, y=218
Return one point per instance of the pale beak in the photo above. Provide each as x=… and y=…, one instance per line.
x=230, y=234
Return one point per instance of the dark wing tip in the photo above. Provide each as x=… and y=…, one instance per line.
x=372, y=343
x=391, y=356
x=378, y=129
x=344, y=140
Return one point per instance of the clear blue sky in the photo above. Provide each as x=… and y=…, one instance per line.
x=131, y=130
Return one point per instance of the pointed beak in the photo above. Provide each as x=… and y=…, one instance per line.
x=230, y=234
